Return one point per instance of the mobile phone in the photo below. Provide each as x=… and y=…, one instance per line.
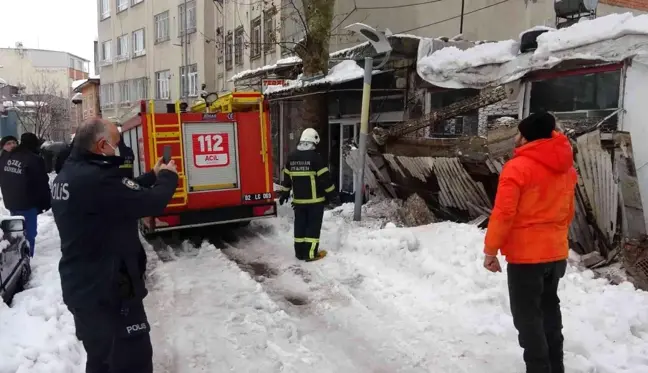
x=166, y=155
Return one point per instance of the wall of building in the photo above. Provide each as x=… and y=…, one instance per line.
x=157, y=56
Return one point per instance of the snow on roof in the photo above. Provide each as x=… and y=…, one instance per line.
x=294, y=60
x=288, y=61
x=77, y=83
x=17, y=104
x=611, y=38
x=344, y=71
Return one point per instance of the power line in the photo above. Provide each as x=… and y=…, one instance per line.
x=398, y=6
x=455, y=17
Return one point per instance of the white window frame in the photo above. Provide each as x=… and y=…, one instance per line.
x=163, y=85
x=106, y=52
x=107, y=94
x=104, y=9
x=135, y=2
x=139, y=89
x=269, y=32
x=122, y=5
x=189, y=80
x=191, y=28
x=161, y=21
x=124, y=92
x=122, y=52
x=139, y=36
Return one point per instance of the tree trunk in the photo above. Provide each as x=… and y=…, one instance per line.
x=314, y=52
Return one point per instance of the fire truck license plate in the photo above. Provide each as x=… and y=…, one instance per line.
x=257, y=197
x=210, y=149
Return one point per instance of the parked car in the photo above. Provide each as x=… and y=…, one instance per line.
x=15, y=267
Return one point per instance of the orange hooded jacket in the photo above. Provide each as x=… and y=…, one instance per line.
x=534, y=205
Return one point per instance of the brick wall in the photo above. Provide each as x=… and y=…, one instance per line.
x=504, y=108
x=633, y=4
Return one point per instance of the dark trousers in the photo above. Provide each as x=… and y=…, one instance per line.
x=533, y=290
x=308, y=223
x=116, y=338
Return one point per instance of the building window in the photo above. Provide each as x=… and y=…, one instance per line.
x=106, y=53
x=124, y=92
x=598, y=91
x=255, y=38
x=228, y=50
x=162, y=27
x=269, y=31
x=105, y=9
x=122, y=5
x=107, y=92
x=190, y=16
x=139, y=89
x=122, y=47
x=135, y=2
x=163, y=85
x=138, y=43
x=71, y=66
x=189, y=80
x=238, y=45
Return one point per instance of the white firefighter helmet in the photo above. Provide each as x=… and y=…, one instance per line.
x=310, y=135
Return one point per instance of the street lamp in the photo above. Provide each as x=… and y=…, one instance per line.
x=380, y=43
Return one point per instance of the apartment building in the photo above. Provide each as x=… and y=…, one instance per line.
x=252, y=34
x=153, y=50
x=44, y=73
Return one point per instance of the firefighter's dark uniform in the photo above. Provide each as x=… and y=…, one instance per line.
x=310, y=180
x=101, y=268
x=129, y=157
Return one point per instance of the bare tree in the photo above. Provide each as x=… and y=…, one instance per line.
x=42, y=109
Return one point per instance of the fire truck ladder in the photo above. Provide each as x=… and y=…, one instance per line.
x=173, y=136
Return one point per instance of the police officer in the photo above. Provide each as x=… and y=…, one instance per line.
x=96, y=210
x=310, y=180
x=25, y=184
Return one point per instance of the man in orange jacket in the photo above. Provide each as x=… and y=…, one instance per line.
x=530, y=222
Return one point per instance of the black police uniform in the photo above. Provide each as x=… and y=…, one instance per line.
x=61, y=157
x=310, y=180
x=95, y=209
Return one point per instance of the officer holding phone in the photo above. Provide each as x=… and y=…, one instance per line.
x=96, y=210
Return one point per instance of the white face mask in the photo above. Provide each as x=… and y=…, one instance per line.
x=116, y=149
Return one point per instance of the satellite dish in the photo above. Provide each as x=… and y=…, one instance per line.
x=377, y=39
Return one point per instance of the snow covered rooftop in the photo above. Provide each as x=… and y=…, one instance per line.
x=77, y=83
x=294, y=60
x=344, y=71
x=22, y=104
x=611, y=38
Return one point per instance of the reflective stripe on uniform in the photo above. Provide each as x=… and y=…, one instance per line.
x=311, y=175
x=330, y=189
x=126, y=166
x=322, y=171
x=283, y=188
x=312, y=241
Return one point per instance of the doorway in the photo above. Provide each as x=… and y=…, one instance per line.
x=341, y=134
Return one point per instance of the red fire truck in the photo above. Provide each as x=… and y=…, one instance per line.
x=223, y=158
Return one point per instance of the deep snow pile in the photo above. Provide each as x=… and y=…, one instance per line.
x=386, y=299
x=37, y=332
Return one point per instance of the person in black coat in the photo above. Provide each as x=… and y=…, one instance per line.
x=62, y=156
x=25, y=184
x=96, y=210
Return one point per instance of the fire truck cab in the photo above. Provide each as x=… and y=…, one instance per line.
x=223, y=159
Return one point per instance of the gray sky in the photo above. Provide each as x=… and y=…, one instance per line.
x=65, y=25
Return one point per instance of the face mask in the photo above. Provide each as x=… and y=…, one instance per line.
x=116, y=149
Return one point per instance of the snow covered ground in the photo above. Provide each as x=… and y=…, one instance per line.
x=386, y=299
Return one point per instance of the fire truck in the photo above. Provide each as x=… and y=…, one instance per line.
x=221, y=149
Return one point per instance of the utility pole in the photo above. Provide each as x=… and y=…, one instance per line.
x=461, y=19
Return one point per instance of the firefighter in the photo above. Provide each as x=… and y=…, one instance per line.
x=310, y=180
x=129, y=157
x=102, y=272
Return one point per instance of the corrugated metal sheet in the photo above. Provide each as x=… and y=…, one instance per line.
x=599, y=182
